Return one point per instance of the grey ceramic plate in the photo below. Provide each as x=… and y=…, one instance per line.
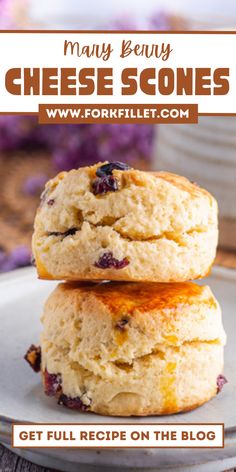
x=22, y=398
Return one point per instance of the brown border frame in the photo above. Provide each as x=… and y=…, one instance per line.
x=118, y=447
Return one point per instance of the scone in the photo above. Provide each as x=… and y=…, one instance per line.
x=125, y=349
x=110, y=222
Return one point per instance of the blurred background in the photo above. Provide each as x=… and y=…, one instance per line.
x=30, y=154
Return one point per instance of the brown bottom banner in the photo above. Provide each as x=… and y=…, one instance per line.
x=117, y=113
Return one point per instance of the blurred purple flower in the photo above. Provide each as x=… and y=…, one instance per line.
x=101, y=142
x=17, y=132
x=75, y=145
x=9, y=133
x=34, y=184
x=5, y=14
x=123, y=23
x=19, y=257
x=159, y=21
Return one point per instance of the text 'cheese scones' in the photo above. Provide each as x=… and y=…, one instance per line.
x=132, y=349
x=108, y=221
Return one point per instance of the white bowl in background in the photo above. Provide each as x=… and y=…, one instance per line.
x=205, y=153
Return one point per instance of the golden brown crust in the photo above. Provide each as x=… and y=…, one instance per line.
x=183, y=183
x=144, y=297
x=168, y=410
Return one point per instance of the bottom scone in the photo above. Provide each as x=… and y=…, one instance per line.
x=132, y=349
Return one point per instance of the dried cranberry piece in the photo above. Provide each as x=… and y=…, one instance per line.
x=121, y=324
x=74, y=403
x=69, y=232
x=107, y=261
x=51, y=202
x=33, y=357
x=52, y=383
x=220, y=381
x=106, y=169
x=105, y=184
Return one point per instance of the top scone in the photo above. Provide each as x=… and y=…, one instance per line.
x=111, y=222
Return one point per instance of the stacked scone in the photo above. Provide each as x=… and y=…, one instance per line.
x=127, y=334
